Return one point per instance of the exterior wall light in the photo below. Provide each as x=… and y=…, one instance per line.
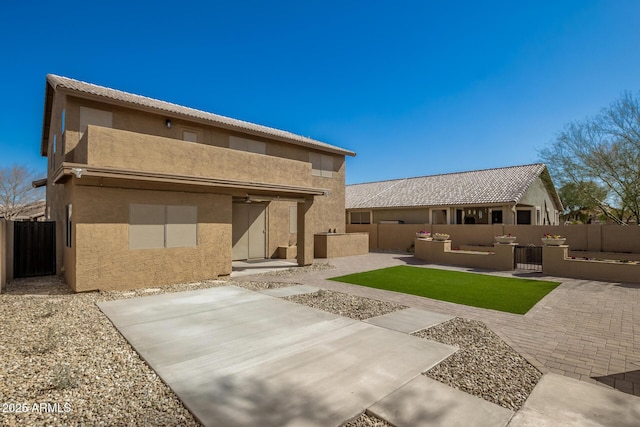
x=168, y=123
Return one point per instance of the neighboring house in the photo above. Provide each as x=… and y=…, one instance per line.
x=30, y=212
x=510, y=195
x=146, y=193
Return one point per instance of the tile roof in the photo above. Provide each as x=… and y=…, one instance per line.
x=167, y=107
x=499, y=185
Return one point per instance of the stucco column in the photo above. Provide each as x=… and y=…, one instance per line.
x=305, y=234
x=438, y=249
x=504, y=254
x=553, y=259
x=422, y=249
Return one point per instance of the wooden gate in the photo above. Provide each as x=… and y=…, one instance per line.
x=528, y=258
x=34, y=248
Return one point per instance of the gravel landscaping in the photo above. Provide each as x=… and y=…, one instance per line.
x=346, y=305
x=58, y=349
x=485, y=366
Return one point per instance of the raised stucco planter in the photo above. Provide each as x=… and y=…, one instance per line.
x=287, y=252
x=505, y=239
x=553, y=242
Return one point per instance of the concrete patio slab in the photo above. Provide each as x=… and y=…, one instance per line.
x=409, y=320
x=427, y=402
x=559, y=400
x=290, y=290
x=237, y=357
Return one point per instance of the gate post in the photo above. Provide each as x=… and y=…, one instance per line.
x=505, y=256
x=3, y=254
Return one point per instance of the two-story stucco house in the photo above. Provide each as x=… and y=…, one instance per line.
x=146, y=193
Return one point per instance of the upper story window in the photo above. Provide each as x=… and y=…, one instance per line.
x=92, y=116
x=189, y=136
x=321, y=165
x=249, y=145
x=62, y=120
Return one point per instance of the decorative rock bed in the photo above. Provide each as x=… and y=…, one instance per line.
x=63, y=350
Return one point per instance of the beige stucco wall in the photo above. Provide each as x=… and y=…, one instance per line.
x=501, y=258
x=278, y=227
x=398, y=236
x=557, y=263
x=408, y=215
x=101, y=258
x=370, y=229
x=537, y=196
x=593, y=238
x=124, y=150
x=340, y=245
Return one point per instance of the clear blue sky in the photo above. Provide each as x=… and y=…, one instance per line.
x=414, y=87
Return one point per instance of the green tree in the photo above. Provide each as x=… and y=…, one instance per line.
x=580, y=199
x=603, y=150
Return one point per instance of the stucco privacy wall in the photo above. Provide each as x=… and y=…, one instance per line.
x=556, y=263
x=439, y=252
x=593, y=237
x=103, y=259
x=330, y=245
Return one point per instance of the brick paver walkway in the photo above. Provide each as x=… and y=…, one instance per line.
x=583, y=329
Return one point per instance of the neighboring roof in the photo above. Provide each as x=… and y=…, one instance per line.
x=32, y=211
x=84, y=89
x=488, y=186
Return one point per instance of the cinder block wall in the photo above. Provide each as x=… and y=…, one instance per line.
x=592, y=238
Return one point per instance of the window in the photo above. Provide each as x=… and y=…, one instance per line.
x=68, y=224
x=189, y=136
x=182, y=226
x=439, y=216
x=91, y=116
x=62, y=120
x=161, y=226
x=360, y=217
x=55, y=143
x=523, y=217
x=146, y=226
x=321, y=165
x=293, y=219
x=249, y=145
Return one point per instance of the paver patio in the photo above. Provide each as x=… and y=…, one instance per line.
x=586, y=330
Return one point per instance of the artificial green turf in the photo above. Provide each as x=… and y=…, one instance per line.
x=478, y=290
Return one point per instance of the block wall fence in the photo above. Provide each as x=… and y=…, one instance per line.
x=590, y=238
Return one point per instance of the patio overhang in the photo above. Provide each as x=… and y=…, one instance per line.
x=238, y=188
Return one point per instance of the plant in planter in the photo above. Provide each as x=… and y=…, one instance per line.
x=505, y=238
x=440, y=237
x=423, y=235
x=553, y=240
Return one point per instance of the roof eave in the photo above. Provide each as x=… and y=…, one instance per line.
x=46, y=121
x=52, y=81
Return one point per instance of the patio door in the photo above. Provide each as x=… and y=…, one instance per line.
x=248, y=231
